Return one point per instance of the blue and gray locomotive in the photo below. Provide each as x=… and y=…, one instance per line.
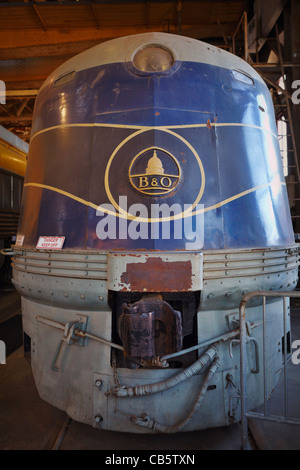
x=154, y=199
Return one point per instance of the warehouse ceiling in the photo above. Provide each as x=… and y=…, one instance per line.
x=36, y=37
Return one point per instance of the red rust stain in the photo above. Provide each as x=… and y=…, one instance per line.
x=208, y=124
x=156, y=275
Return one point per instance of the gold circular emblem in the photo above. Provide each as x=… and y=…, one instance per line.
x=154, y=171
x=133, y=170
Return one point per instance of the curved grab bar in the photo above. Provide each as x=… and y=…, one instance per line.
x=255, y=370
x=8, y=252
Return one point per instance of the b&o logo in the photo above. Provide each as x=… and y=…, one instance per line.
x=154, y=171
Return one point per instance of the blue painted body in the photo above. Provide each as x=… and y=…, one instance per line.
x=73, y=157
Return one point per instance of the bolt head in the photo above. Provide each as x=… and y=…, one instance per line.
x=98, y=418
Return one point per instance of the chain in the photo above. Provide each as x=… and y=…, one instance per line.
x=116, y=377
x=117, y=383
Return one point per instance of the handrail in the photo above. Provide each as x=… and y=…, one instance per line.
x=243, y=359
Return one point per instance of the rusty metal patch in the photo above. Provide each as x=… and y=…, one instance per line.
x=175, y=272
x=156, y=275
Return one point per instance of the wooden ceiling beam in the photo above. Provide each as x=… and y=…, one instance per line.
x=36, y=37
x=15, y=87
x=52, y=42
x=22, y=70
x=22, y=107
x=38, y=14
x=47, y=50
x=15, y=119
x=31, y=93
x=95, y=15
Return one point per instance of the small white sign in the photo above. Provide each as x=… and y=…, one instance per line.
x=19, y=240
x=50, y=243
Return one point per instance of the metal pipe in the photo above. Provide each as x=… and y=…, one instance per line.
x=243, y=378
x=262, y=273
x=260, y=293
x=285, y=359
x=84, y=334
x=55, y=266
x=265, y=355
x=253, y=266
x=275, y=419
x=247, y=259
x=77, y=332
x=223, y=337
x=67, y=276
x=62, y=259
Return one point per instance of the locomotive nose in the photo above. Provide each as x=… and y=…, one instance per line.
x=157, y=132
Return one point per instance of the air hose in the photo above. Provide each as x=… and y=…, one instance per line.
x=146, y=421
x=142, y=390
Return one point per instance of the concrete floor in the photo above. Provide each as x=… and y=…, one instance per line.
x=28, y=423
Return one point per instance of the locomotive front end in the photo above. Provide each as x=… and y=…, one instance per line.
x=154, y=199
